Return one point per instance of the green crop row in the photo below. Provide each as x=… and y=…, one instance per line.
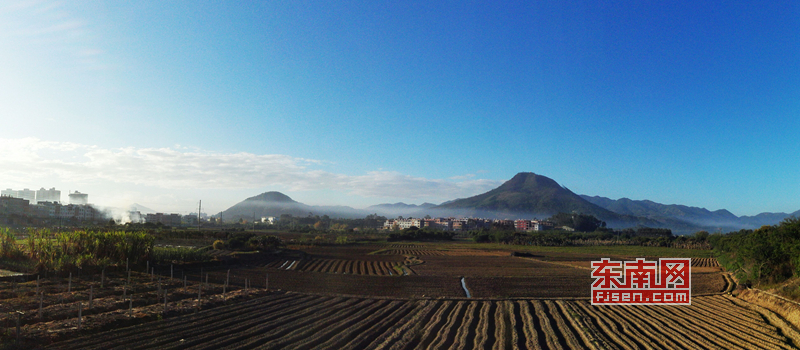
x=163, y=255
x=69, y=250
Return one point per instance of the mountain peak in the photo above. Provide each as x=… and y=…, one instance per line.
x=528, y=182
x=272, y=196
x=528, y=195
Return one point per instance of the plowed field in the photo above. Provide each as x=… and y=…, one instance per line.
x=705, y=262
x=400, y=296
x=352, y=267
x=300, y=321
x=444, y=252
x=51, y=311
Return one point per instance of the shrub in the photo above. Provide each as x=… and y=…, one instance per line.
x=239, y=240
x=218, y=244
x=254, y=243
x=8, y=245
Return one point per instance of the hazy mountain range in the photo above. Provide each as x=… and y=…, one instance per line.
x=399, y=209
x=525, y=196
x=141, y=208
x=713, y=220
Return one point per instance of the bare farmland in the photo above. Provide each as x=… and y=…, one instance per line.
x=294, y=320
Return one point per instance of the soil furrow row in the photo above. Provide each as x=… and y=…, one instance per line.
x=691, y=318
x=573, y=321
x=173, y=325
x=551, y=337
x=762, y=331
x=533, y=338
x=371, y=335
x=469, y=322
x=206, y=332
x=447, y=335
x=356, y=327
x=629, y=326
x=436, y=323
x=406, y=335
x=673, y=335
x=236, y=329
x=675, y=329
x=482, y=329
x=321, y=330
x=604, y=327
x=502, y=328
x=288, y=330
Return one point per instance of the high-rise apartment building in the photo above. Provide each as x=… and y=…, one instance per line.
x=78, y=198
x=52, y=195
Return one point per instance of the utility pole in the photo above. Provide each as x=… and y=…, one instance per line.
x=199, y=207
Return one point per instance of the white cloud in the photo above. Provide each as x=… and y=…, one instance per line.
x=180, y=168
x=44, y=33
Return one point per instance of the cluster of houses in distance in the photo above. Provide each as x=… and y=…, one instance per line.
x=21, y=206
x=173, y=219
x=466, y=224
x=43, y=206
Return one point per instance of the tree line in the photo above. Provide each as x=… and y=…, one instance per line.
x=770, y=254
x=414, y=233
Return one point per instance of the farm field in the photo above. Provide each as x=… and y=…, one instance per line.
x=374, y=270
x=54, y=308
x=303, y=321
x=374, y=296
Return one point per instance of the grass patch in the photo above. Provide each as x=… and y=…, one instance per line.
x=165, y=255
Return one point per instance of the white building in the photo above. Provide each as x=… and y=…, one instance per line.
x=78, y=198
x=26, y=194
x=30, y=195
x=407, y=223
x=52, y=195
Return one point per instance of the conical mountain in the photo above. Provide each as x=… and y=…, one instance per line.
x=276, y=203
x=529, y=194
x=265, y=204
x=272, y=196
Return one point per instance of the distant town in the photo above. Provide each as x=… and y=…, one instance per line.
x=467, y=224
x=44, y=207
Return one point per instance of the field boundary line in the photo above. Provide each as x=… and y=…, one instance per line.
x=785, y=326
x=448, y=298
x=554, y=263
x=786, y=309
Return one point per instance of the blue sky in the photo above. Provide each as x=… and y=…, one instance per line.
x=359, y=103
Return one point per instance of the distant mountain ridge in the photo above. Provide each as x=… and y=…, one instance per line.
x=140, y=208
x=701, y=217
x=400, y=208
x=529, y=195
x=525, y=196
x=402, y=205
